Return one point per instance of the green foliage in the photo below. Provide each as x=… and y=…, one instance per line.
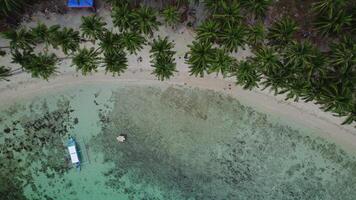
x=222, y=62
x=268, y=60
x=42, y=65
x=162, y=58
x=343, y=55
x=110, y=43
x=4, y=73
x=67, y=38
x=9, y=6
x=328, y=7
x=334, y=23
x=246, y=74
x=92, y=27
x=164, y=67
x=86, y=60
x=132, y=41
x=42, y=34
x=19, y=39
x=256, y=34
x=257, y=7
x=201, y=57
x=208, y=31
x=229, y=13
x=115, y=62
x=282, y=31
x=171, y=16
x=214, y=5
x=122, y=17
x=145, y=20
x=231, y=38
x=162, y=47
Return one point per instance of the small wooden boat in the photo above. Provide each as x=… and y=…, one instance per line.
x=73, y=152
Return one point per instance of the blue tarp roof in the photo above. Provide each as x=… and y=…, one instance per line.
x=80, y=3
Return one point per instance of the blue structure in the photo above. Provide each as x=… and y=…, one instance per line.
x=81, y=4
x=73, y=152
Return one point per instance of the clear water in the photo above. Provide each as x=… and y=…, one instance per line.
x=182, y=144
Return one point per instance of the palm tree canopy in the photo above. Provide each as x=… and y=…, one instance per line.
x=246, y=74
x=162, y=47
x=231, y=38
x=171, y=15
x=42, y=33
x=208, y=31
x=92, y=26
x=21, y=38
x=86, y=60
x=145, y=20
x=42, y=65
x=115, y=62
x=282, y=31
x=257, y=7
x=132, y=41
x=333, y=24
x=201, y=56
x=110, y=42
x=257, y=34
x=9, y=6
x=122, y=17
x=229, y=13
x=328, y=6
x=343, y=54
x=300, y=55
x=268, y=60
x=67, y=38
x=164, y=67
x=222, y=62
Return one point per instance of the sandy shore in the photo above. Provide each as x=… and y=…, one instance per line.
x=306, y=115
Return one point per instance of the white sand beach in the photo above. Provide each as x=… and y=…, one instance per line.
x=305, y=114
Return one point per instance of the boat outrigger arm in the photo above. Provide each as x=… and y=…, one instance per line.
x=72, y=148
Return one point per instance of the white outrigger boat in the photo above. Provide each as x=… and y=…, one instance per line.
x=73, y=152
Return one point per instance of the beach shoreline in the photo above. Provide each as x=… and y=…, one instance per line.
x=139, y=72
x=305, y=115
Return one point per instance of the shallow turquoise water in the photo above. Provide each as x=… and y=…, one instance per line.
x=182, y=144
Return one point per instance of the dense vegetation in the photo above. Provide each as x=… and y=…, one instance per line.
x=288, y=56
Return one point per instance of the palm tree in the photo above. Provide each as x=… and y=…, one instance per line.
x=201, y=57
x=299, y=56
x=115, y=62
x=162, y=47
x=86, y=60
x=171, y=16
x=42, y=33
x=110, y=43
x=333, y=24
x=19, y=39
x=246, y=74
x=9, y=6
x=132, y=41
x=257, y=7
x=145, y=20
x=222, y=63
x=214, y=5
x=328, y=7
x=343, y=55
x=67, y=38
x=122, y=17
x=268, y=60
x=282, y=31
x=164, y=67
x=42, y=65
x=21, y=58
x=92, y=27
x=256, y=34
x=208, y=31
x=229, y=13
x=231, y=38
x=4, y=73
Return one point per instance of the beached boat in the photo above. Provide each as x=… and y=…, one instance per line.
x=73, y=152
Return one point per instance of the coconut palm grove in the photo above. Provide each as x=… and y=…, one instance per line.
x=177, y=143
